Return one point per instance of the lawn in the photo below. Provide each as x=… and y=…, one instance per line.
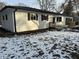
x=47, y=45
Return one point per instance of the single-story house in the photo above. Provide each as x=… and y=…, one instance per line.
x=20, y=19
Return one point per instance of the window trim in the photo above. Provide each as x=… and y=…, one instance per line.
x=32, y=16
x=44, y=17
x=59, y=19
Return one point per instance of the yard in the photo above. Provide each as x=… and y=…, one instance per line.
x=47, y=45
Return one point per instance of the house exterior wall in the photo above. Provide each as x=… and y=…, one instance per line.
x=9, y=23
x=62, y=23
x=19, y=20
x=23, y=24
x=70, y=23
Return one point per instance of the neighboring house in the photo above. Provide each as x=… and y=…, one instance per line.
x=20, y=19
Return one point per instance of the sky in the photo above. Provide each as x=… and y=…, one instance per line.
x=31, y=3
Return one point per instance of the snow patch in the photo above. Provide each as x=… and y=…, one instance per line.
x=48, y=45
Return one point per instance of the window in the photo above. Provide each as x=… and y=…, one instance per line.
x=3, y=17
x=6, y=17
x=68, y=20
x=32, y=16
x=44, y=17
x=53, y=19
x=77, y=23
x=28, y=16
x=59, y=19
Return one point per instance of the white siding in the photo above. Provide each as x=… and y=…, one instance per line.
x=9, y=23
x=63, y=20
x=50, y=18
x=23, y=24
x=62, y=23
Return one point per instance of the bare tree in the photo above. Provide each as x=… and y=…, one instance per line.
x=68, y=8
x=47, y=4
x=62, y=6
x=75, y=5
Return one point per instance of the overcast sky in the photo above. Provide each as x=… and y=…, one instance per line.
x=31, y=3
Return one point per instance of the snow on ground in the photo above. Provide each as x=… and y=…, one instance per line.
x=48, y=45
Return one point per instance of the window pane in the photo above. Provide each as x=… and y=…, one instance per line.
x=28, y=16
x=3, y=17
x=34, y=16
x=6, y=17
x=44, y=17
x=59, y=19
x=53, y=19
x=68, y=20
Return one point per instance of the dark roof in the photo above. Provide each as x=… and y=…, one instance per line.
x=32, y=9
